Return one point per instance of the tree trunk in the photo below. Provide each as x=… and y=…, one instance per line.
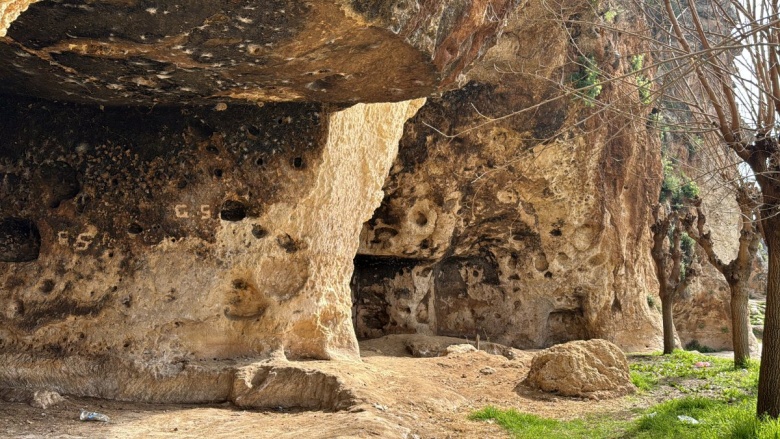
x=769, y=375
x=666, y=314
x=740, y=324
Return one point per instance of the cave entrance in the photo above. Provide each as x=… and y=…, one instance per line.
x=384, y=298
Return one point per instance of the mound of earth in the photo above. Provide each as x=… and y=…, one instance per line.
x=592, y=369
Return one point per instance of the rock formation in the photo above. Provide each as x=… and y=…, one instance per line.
x=164, y=214
x=189, y=235
x=195, y=51
x=185, y=188
x=590, y=369
x=529, y=230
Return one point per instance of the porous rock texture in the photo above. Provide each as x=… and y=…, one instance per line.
x=191, y=235
x=131, y=52
x=589, y=369
x=530, y=229
x=184, y=184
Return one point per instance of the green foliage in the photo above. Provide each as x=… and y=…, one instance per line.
x=690, y=189
x=637, y=62
x=610, y=15
x=676, y=186
x=643, y=84
x=651, y=301
x=587, y=80
x=688, y=247
x=643, y=382
x=694, y=144
x=717, y=419
x=757, y=312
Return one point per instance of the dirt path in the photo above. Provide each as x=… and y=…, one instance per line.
x=418, y=397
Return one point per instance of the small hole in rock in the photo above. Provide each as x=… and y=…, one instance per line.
x=212, y=149
x=548, y=275
x=233, y=210
x=259, y=161
x=421, y=219
x=135, y=229
x=253, y=130
x=47, y=286
x=556, y=232
x=287, y=243
x=259, y=232
x=218, y=173
x=298, y=162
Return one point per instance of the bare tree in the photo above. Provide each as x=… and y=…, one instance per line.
x=737, y=272
x=668, y=259
x=725, y=54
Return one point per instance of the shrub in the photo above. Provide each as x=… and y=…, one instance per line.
x=587, y=80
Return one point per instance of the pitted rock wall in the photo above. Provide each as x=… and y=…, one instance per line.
x=527, y=230
x=187, y=238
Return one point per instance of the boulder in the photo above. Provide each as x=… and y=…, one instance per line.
x=589, y=369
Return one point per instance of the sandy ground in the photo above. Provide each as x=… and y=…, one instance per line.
x=407, y=398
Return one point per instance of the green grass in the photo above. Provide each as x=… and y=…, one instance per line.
x=720, y=397
x=524, y=425
x=719, y=380
x=757, y=311
x=718, y=419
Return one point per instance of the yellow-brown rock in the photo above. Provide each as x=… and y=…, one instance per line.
x=590, y=369
x=515, y=212
x=200, y=237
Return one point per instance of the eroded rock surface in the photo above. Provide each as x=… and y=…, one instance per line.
x=590, y=369
x=128, y=53
x=194, y=236
x=528, y=230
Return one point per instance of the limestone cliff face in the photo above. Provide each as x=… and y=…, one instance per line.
x=130, y=53
x=200, y=236
x=527, y=230
x=184, y=185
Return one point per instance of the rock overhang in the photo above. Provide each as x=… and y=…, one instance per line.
x=200, y=52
